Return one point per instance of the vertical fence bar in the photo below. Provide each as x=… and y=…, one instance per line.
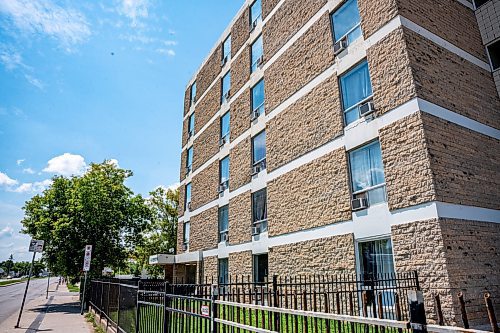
x=137, y=309
x=491, y=313
x=463, y=311
x=439, y=310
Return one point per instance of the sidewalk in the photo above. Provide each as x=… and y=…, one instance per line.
x=58, y=314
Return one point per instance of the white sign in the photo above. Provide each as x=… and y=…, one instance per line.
x=36, y=245
x=87, y=258
x=205, y=311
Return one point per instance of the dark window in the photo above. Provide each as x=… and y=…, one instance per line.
x=259, y=210
x=260, y=267
x=189, y=160
x=223, y=221
x=223, y=271
x=224, y=126
x=258, y=97
x=259, y=148
x=224, y=171
x=192, y=94
x=494, y=52
x=187, y=198
x=226, y=50
x=191, y=125
x=226, y=86
x=479, y=3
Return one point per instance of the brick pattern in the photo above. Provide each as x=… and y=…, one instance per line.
x=210, y=269
x=488, y=18
x=185, y=131
x=180, y=207
x=206, y=145
x=180, y=228
x=182, y=171
x=319, y=187
x=308, y=57
x=240, y=70
x=390, y=72
x=204, y=186
x=240, y=31
x=309, y=123
x=187, y=97
x=448, y=19
x=408, y=175
x=446, y=79
x=240, y=219
x=204, y=230
x=465, y=164
x=209, y=71
x=240, y=114
x=285, y=23
x=375, y=14
x=240, y=263
x=268, y=6
x=207, y=107
x=332, y=255
x=240, y=159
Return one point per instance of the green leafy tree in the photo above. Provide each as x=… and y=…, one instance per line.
x=96, y=208
x=160, y=236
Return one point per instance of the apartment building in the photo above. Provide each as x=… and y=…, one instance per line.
x=358, y=136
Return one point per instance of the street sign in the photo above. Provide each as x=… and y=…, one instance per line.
x=205, y=311
x=36, y=245
x=87, y=258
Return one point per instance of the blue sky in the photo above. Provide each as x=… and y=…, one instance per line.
x=85, y=81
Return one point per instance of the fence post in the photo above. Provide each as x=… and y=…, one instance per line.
x=439, y=311
x=491, y=313
x=418, y=322
x=118, y=312
x=165, y=312
x=276, y=303
x=463, y=310
x=213, y=313
x=137, y=308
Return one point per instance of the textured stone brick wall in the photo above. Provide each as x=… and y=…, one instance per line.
x=206, y=145
x=210, y=269
x=451, y=256
x=390, y=72
x=240, y=263
x=308, y=57
x=204, y=186
x=446, y=79
x=465, y=164
x=332, y=255
x=448, y=19
x=180, y=228
x=240, y=159
x=185, y=131
x=240, y=114
x=187, y=98
x=182, y=171
x=309, y=123
x=240, y=70
x=488, y=19
x=375, y=14
x=313, y=195
x=240, y=219
x=209, y=71
x=408, y=174
x=180, y=207
x=287, y=20
x=207, y=106
x=204, y=230
x=268, y=6
x=240, y=31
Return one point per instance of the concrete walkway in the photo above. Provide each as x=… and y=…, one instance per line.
x=58, y=314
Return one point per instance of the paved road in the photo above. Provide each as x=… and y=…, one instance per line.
x=11, y=296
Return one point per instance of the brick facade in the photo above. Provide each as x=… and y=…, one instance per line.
x=206, y=145
x=240, y=219
x=204, y=186
x=204, y=231
x=207, y=107
x=240, y=114
x=241, y=161
x=240, y=31
x=240, y=263
x=240, y=70
x=210, y=269
x=209, y=71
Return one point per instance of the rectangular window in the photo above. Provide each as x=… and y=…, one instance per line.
x=189, y=160
x=192, y=94
x=255, y=14
x=185, y=233
x=494, y=52
x=191, y=125
x=223, y=271
x=367, y=173
x=258, y=97
x=257, y=50
x=260, y=267
x=224, y=171
x=226, y=50
x=376, y=258
x=259, y=210
x=225, y=126
x=479, y=3
x=187, y=199
x=226, y=86
x=223, y=222
x=356, y=89
x=259, y=148
x=346, y=22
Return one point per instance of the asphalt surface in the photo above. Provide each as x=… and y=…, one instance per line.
x=11, y=296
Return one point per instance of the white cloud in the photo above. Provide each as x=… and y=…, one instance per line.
x=11, y=59
x=33, y=187
x=170, y=42
x=6, y=180
x=19, y=162
x=66, y=165
x=67, y=26
x=29, y=171
x=168, y=52
x=134, y=9
x=34, y=81
x=6, y=232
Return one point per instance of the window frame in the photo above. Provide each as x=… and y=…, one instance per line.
x=262, y=161
x=345, y=35
x=261, y=222
x=186, y=202
x=255, y=267
x=260, y=107
x=189, y=161
x=191, y=120
x=186, y=235
x=223, y=98
x=256, y=62
x=226, y=56
x=192, y=97
x=221, y=161
x=494, y=61
x=258, y=18
x=222, y=231
x=351, y=70
x=226, y=278
x=221, y=134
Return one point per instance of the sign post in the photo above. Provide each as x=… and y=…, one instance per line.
x=35, y=246
x=86, y=267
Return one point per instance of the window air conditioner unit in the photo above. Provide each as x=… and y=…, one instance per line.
x=340, y=46
x=255, y=114
x=366, y=108
x=224, y=61
x=256, y=169
x=223, y=141
x=184, y=247
x=188, y=170
x=224, y=237
x=194, y=99
x=190, y=134
x=359, y=203
x=222, y=187
x=255, y=231
x=226, y=96
x=260, y=62
x=253, y=25
x=189, y=205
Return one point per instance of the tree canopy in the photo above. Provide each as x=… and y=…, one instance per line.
x=96, y=208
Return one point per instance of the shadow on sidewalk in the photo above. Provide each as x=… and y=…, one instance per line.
x=67, y=308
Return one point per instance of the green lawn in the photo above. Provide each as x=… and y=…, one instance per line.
x=9, y=282
x=73, y=287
